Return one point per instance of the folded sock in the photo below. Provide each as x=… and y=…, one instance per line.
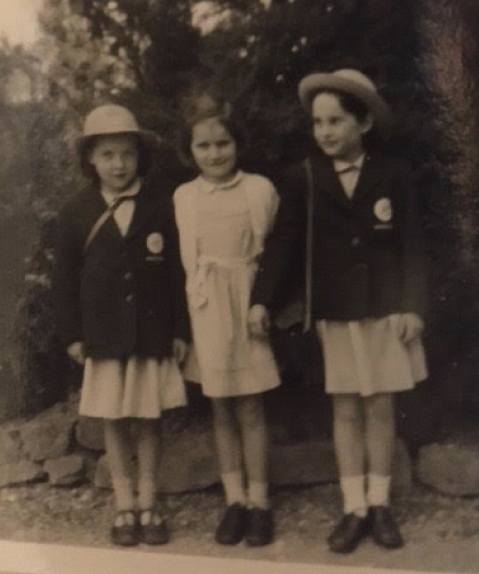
x=258, y=495
x=234, y=487
x=378, y=490
x=354, y=495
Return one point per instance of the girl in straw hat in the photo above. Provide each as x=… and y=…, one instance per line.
x=365, y=289
x=121, y=310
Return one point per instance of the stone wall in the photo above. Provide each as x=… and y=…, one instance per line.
x=59, y=447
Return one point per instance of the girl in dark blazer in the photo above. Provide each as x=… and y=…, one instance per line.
x=364, y=291
x=121, y=308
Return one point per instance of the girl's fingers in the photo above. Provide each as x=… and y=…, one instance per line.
x=258, y=321
x=179, y=350
x=410, y=327
x=76, y=352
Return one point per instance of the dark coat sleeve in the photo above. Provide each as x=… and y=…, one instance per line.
x=182, y=328
x=281, y=268
x=414, y=260
x=67, y=278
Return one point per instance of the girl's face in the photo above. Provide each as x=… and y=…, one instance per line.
x=214, y=150
x=115, y=159
x=337, y=132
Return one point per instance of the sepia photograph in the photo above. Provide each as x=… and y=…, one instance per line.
x=239, y=269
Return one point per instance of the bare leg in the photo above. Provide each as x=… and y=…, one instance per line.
x=349, y=440
x=147, y=449
x=119, y=454
x=349, y=445
x=228, y=446
x=251, y=417
x=380, y=437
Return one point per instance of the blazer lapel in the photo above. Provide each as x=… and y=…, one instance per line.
x=98, y=206
x=371, y=175
x=326, y=180
x=145, y=208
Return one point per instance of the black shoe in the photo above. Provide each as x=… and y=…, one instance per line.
x=384, y=528
x=127, y=533
x=233, y=525
x=348, y=533
x=153, y=528
x=260, y=530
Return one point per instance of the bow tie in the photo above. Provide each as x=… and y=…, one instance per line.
x=347, y=168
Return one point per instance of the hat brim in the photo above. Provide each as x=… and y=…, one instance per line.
x=314, y=83
x=149, y=138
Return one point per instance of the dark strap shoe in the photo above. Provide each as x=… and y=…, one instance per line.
x=384, y=527
x=260, y=530
x=125, y=531
x=153, y=528
x=348, y=533
x=232, y=527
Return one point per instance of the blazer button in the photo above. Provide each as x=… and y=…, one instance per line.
x=127, y=275
x=356, y=241
x=129, y=298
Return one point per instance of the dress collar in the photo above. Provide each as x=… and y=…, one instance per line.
x=341, y=166
x=210, y=187
x=132, y=191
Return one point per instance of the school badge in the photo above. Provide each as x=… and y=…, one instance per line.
x=155, y=243
x=383, y=209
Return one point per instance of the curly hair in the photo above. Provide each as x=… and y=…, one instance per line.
x=203, y=106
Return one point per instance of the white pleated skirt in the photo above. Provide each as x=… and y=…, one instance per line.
x=136, y=387
x=368, y=357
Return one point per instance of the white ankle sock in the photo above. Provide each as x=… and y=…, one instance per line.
x=354, y=494
x=233, y=486
x=258, y=495
x=378, y=490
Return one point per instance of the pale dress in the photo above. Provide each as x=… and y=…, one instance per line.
x=138, y=387
x=368, y=356
x=229, y=362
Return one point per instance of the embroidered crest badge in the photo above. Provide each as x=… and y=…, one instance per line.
x=155, y=243
x=383, y=209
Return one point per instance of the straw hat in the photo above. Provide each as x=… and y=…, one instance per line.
x=351, y=82
x=111, y=119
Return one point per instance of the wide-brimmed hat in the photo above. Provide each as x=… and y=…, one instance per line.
x=111, y=119
x=351, y=82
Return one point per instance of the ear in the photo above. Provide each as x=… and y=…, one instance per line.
x=367, y=124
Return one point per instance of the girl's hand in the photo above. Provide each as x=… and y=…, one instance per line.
x=76, y=352
x=258, y=321
x=410, y=326
x=179, y=350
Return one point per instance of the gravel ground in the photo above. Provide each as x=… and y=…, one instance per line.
x=442, y=532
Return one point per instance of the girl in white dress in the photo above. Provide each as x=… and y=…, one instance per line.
x=223, y=217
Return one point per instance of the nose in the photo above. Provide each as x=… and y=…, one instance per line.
x=324, y=131
x=215, y=152
x=118, y=161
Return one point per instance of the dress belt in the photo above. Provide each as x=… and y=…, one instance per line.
x=196, y=288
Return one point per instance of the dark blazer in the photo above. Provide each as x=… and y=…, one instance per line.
x=366, y=261
x=123, y=295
